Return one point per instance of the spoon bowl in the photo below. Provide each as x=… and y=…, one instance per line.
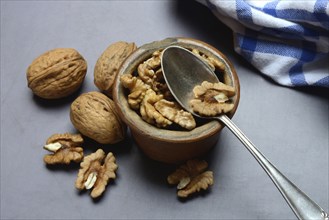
x=183, y=71
x=189, y=75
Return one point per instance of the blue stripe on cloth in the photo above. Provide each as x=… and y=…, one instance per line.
x=296, y=15
x=296, y=75
x=251, y=42
x=270, y=8
x=243, y=11
x=247, y=44
x=292, y=32
x=291, y=14
x=276, y=48
x=321, y=14
x=324, y=82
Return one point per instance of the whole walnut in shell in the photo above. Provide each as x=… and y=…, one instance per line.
x=56, y=73
x=108, y=64
x=95, y=116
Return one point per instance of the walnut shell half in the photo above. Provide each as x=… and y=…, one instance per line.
x=56, y=73
x=95, y=116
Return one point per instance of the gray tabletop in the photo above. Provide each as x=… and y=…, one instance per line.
x=290, y=126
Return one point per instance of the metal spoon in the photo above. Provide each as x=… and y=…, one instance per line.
x=182, y=71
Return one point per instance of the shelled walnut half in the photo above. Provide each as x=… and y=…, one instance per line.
x=211, y=99
x=95, y=172
x=65, y=148
x=191, y=177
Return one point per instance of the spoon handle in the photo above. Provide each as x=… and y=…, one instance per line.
x=299, y=202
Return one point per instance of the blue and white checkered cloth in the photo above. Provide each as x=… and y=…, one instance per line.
x=287, y=40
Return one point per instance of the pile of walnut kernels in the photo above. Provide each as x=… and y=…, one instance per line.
x=60, y=72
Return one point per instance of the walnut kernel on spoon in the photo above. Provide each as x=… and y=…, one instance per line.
x=211, y=99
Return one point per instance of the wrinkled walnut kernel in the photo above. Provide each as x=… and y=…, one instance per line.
x=175, y=113
x=213, y=63
x=148, y=111
x=191, y=177
x=211, y=99
x=147, y=70
x=150, y=94
x=137, y=90
x=95, y=172
x=65, y=148
x=200, y=182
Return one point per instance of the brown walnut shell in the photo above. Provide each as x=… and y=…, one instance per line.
x=108, y=64
x=95, y=116
x=56, y=73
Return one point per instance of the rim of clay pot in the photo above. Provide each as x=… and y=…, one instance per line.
x=134, y=120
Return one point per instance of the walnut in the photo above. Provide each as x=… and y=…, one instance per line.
x=148, y=111
x=213, y=63
x=191, y=177
x=212, y=99
x=108, y=64
x=56, y=73
x=65, y=148
x=147, y=69
x=95, y=172
x=160, y=87
x=137, y=90
x=95, y=116
x=174, y=112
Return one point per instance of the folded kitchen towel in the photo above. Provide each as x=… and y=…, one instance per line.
x=287, y=40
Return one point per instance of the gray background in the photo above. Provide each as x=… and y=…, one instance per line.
x=290, y=126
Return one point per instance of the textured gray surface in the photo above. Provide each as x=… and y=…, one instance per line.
x=289, y=126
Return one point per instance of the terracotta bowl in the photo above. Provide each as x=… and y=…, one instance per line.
x=164, y=145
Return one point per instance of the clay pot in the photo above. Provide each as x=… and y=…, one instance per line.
x=168, y=145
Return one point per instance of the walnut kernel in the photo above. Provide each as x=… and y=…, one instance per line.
x=65, y=148
x=137, y=90
x=148, y=111
x=211, y=99
x=191, y=177
x=174, y=112
x=95, y=172
x=148, y=68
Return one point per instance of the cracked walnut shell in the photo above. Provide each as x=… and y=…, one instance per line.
x=108, y=64
x=95, y=116
x=56, y=73
x=65, y=148
x=191, y=177
x=95, y=172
